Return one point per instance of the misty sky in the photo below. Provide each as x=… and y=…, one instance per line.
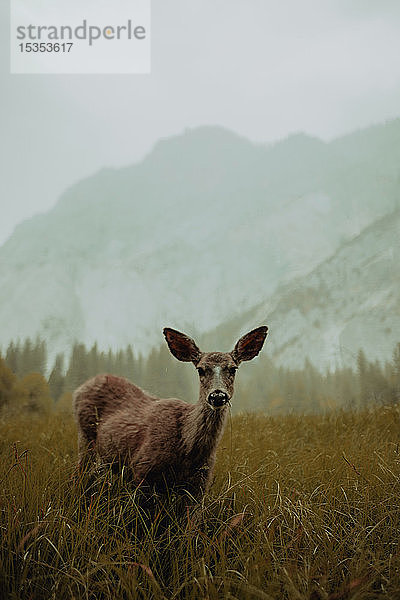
x=259, y=67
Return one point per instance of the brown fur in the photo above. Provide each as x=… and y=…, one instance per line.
x=164, y=443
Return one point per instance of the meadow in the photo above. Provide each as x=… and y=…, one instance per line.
x=302, y=507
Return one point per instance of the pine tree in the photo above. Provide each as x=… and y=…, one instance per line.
x=119, y=363
x=396, y=374
x=12, y=355
x=38, y=361
x=26, y=359
x=78, y=369
x=7, y=383
x=93, y=361
x=57, y=379
x=130, y=364
x=362, y=370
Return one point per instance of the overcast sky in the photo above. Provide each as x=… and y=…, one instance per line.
x=262, y=68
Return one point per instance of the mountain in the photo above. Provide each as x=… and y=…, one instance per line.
x=204, y=228
x=350, y=301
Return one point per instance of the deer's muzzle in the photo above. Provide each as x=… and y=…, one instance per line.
x=218, y=399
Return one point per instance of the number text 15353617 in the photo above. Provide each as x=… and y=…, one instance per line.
x=45, y=47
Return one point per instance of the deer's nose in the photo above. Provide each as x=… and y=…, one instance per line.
x=218, y=398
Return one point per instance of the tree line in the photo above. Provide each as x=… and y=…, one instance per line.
x=27, y=383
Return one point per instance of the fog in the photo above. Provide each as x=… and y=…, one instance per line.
x=260, y=68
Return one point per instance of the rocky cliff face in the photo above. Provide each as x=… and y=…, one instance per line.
x=207, y=226
x=350, y=301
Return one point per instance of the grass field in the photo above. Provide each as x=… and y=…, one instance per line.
x=301, y=508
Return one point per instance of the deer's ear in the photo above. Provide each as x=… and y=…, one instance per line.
x=182, y=346
x=250, y=344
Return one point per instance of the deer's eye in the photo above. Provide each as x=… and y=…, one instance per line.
x=232, y=370
x=201, y=371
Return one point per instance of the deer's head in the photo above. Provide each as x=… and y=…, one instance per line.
x=216, y=370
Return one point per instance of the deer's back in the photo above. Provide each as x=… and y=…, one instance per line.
x=104, y=395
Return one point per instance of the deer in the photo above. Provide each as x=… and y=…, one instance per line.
x=163, y=443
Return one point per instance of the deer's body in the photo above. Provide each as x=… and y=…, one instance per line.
x=164, y=443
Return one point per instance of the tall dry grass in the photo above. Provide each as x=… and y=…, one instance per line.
x=301, y=508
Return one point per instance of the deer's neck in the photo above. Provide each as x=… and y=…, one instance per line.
x=202, y=431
